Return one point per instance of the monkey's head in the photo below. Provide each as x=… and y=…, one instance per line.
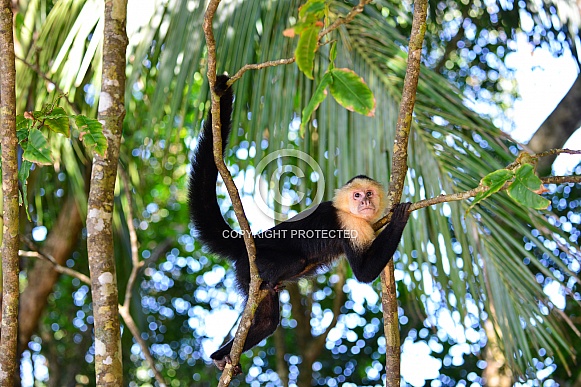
x=361, y=196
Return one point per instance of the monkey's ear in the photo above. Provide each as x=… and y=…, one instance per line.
x=221, y=86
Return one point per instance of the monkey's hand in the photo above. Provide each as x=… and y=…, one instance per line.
x=221, y=364
x=221, y=84
x=400, y=212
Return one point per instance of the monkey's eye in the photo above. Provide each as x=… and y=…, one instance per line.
x=356, y=195
x=369, y=194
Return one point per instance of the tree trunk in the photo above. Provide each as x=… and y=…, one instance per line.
x=558, y=127
x=108, y=362
x=10, y=237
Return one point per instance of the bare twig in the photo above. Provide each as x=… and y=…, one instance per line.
x=258, y=66
x=130, y=323
x=557, y=152
x=136, y=263
x=123, y=309
x=135, y=268
x=561, y=179
x=37, y=253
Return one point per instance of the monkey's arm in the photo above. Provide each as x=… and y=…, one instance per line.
x=368, y=264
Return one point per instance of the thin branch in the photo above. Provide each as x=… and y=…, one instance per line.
x=258, y=66
x=272, y=63
x=561, y=179
x=557, y=151
x=37, y=70
x=471, y=193
x=123, y=309
x=255, y=295
x=136, y=266
x=398, y=173
x=345, y=19
x=37, y=253
x=130, y=323
x=136, y=263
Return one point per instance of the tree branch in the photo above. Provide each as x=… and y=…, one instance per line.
x=38, y=254
x=557, y=152
x=345, y=19
x=475, y=191
x=255, y=296
x=123, y=309
x=272, y=63
x=397, y=180
x=136, y=266
x=37, y=70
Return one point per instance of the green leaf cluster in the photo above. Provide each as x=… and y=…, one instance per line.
x=308, y=29
x=52, y=118
x=523, y=187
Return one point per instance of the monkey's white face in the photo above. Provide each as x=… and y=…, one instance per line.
x=364, y=203
x=362, y=198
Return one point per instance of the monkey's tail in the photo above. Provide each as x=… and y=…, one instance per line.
x=205, y=213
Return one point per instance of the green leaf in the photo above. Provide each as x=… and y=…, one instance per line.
x=523, y=187
x=333, y=55
x=37, y=150
x=351, y=92
x=22, y=127
x=306, y=48
x=494, y=181
x=318, y=96
x=312, y=9
x=91, y=133
x=58, y=121
x=23, y=174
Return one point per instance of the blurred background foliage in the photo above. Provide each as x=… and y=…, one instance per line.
x=491, y=296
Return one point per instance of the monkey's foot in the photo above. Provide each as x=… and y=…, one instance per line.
x=277, y=288
x=221, y=364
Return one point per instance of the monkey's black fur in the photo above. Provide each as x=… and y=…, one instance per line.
x=280, y=257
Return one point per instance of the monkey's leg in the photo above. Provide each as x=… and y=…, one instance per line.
x=264, y=324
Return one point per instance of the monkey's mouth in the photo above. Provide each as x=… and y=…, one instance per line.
x=367, y=208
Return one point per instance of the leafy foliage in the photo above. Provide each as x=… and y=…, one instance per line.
x=35, y=143
x=91, y=133
x=523, y=186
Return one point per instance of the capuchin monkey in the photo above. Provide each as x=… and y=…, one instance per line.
x=299, y=247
